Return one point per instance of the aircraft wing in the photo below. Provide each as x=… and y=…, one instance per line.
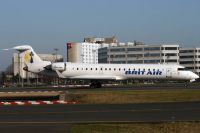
x=98, y=77
x=111, y=77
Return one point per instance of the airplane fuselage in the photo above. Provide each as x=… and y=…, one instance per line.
x=121, y=71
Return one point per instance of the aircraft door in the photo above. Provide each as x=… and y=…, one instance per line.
x=169, y=73
x=101, y=70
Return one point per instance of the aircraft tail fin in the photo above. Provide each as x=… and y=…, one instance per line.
x=27, y=54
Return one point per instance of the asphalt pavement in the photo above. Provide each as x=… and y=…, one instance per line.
x=80, y=113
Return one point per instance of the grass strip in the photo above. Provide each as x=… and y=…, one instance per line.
x=134, y=96
x=177, y=127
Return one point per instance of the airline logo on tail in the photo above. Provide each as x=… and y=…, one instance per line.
x=28, y=57
x=31, y=54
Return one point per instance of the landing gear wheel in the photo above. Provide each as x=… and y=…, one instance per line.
x=95, y=84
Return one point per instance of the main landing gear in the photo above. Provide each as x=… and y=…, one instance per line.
x=95, y=84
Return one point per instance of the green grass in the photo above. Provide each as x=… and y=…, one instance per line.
x=134, y=96
x=179, y=127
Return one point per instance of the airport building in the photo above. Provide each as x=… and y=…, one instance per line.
x=190, y=58
x=137, y=53
x=18, y=64
x=87, y=51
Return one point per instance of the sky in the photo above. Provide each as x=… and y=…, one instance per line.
x=49, y=24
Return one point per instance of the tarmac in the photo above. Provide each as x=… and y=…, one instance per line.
x=49, y=118
x=57, y=118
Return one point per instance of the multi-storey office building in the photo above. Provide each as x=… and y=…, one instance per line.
x=190, y=58
x=150, y=54
x=87, y=51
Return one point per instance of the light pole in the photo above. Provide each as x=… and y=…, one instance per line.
x=19, y=70
x=56, y=52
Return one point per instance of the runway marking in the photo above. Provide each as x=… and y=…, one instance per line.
x=37, y=102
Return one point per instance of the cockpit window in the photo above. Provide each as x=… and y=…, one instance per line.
x=183, y=69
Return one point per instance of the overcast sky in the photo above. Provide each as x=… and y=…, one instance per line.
x=49, y=24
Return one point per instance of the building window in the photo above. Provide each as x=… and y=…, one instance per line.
x=117, y=50
x=187, y=62
x=151, y=61
x=134, y=55
x=170, y=60
x=185, y=57
x=152, y=55
x=151, y=48
x=134, y=61
x=134, y=49
x=171, y=48
x=171, y=54
x=117, y=56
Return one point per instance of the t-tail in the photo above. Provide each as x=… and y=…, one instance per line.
x=27, y=54
x=32, y=61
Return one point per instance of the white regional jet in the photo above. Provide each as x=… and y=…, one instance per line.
x=97, y=72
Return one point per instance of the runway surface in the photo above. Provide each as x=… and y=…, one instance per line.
x=101, y=113
x=57, y=117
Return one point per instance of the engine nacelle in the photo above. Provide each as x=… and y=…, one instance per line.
x=36, y=67
x=59, y=66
